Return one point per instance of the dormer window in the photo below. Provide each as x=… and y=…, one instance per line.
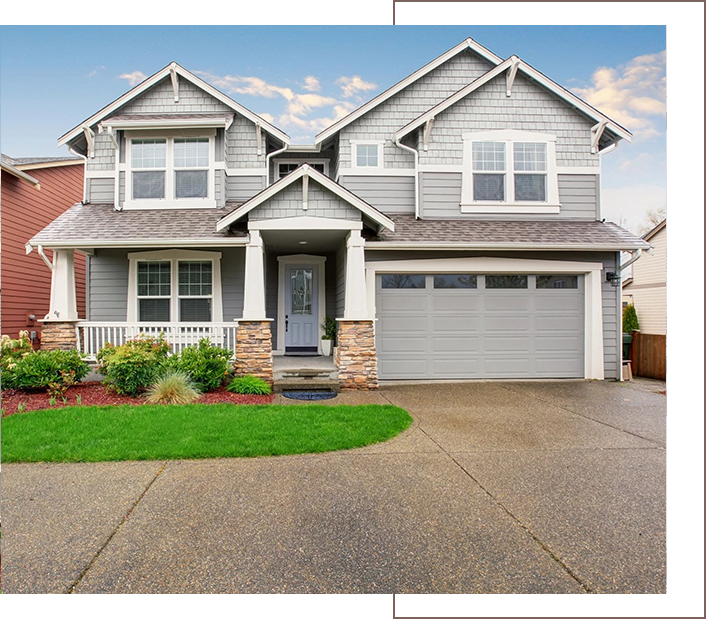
x=287, y=166
x=169, y=171
x=367, y=156
x=509, y=171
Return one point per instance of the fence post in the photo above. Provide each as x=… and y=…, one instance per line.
x=635, y=352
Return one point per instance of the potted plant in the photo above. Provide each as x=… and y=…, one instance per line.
x=630, y=325
x=329, y=336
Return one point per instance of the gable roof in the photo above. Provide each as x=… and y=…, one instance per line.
x=321, y=179
x=531, y=72
x=6, y=164
x=648, y=235
x=410, y=79
x=158, y=77
x=35, y=163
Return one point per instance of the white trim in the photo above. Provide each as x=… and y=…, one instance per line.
x=254, y=303
x=375, y=172
x=175, y=256
x=299, y=161
x=282, y=263
x=154, y=79
x=530, y=71
x=392, y=245
x=593, y=171
x=100, y=174
x=367, y=170
x=166, y=123
x=323, y=180
x=593, y=314
x=84, y=244
x=240, y=171
x=551, y=206
x=10, y=169
x=48, y=164
x=410, y=79
x=170, y=201
x=436, y=167
x=175, y=81
x=306, y=222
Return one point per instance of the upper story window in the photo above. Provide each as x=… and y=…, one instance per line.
x=285, y=167
x=367, y=155
x=170, y=171
x=509, y=172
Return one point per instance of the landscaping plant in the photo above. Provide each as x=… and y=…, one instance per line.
x=148, y=344
x=206, y=364
x=54, y=370
x=173, y=388
x=630, y=322
x=329, y=327
x=250, y=385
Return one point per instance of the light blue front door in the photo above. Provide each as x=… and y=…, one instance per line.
x=301, y=311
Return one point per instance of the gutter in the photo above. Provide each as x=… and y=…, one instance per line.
x=383, y=245
x=158, y=243
x=267, y=163
x=415, y=152
x=635, y=258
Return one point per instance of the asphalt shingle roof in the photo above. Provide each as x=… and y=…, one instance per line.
x=101, y=222
x=15, y=161
x=503, y=232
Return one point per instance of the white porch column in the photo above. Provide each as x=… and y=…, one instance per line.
x=356, y=305
x=594, y=325
x=254, y=297
x=62, y=304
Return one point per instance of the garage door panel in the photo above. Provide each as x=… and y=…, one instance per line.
x=559, y=368
x=455, y=302
x=403, y=368
x=458, y=323
x=507, y=301
x=455, y=368
x=556, y=342
x=560, y=301
x=507, y=324
x=510, y=366
x=403, y=344
x=402, y=302
x=559, y=323
x=403, y=324
x=507, y=344
x=468, y=345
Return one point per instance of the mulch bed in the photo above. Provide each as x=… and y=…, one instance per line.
x=94, y=393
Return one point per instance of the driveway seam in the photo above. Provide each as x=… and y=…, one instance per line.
x=74, y=584
x=521, y=524
x=564, y=408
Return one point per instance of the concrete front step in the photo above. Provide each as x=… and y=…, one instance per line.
x=306, y=380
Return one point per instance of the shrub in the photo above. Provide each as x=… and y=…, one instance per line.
x=206, y=364
x=173, y=388
x=130, y=369
x=54, y=370
x=329, y=326
x=249, y=385
x=630, y=322
x=148, y=344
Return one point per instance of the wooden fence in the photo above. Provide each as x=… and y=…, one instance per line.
x=649, y=355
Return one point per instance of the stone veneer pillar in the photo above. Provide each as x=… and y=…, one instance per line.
x=58, y=336
x=253, y=349
x=356, y=356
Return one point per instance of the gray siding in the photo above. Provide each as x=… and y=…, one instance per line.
x=104, y=158
x=160, y=100
x=241, y=145
x=389, y=194
x=242, y=188
x=441, y=197
x=322, y=203
x=108, y=285
x=611, y=316
x=530, y=108
x=101, y=190
x=382, y=122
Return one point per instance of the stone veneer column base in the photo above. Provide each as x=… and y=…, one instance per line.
x=356, y=356
x=253, y=349
x=59, y=336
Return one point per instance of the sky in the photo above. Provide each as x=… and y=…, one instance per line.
x=303, y=78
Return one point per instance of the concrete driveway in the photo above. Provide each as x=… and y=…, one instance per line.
x=553, y=487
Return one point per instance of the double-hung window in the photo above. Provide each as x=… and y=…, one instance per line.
x=195, y=290
x=154, y=290
x=178, y=171
x=509, y=171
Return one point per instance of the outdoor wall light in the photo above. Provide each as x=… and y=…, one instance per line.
x=613, y=278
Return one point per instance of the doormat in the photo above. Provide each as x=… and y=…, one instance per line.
x=309, y=395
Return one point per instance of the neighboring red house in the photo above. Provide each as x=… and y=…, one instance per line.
x=35, y=191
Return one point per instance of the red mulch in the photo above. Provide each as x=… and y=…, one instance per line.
x=95, y=394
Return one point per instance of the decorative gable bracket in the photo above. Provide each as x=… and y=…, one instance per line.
x=512, y=73
x=596, y=134
x=175, y=81
x=90, y=141
x=427, y=132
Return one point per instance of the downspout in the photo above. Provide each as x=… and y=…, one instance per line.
x=267, y=163
x=85, y=178
x=635, y=257
x=40, y=251
x=415, y=152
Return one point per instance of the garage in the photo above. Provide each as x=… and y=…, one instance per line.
x=466, y=325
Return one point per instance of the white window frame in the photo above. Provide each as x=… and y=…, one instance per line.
x=175, y=256
x=278, y=162
x=355, y=168
x=140, y=297
x=170, y=201
x=510, y=205
x=191, y=296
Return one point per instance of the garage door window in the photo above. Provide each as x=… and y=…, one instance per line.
x=505, y=281
x=456, y=281
x=403, y=280
x=558, y=281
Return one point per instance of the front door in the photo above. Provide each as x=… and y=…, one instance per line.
x=301, y=312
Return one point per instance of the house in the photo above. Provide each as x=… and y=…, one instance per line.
x=35, y=190
x=451, y=225
x=647, y=288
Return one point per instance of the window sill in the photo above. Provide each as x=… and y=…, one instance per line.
x=152, y=205
x=511, y=209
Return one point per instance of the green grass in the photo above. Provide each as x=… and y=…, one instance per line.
x=161, y=432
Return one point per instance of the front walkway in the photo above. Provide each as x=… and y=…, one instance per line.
x=496, y=488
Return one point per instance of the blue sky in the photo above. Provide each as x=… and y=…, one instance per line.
x=303, y=78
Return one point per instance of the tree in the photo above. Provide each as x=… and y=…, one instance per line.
x=630, y=322
x=653, y=217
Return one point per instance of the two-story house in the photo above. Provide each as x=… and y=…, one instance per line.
x=451, y=225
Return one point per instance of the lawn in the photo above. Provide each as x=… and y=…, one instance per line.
x=108, y=433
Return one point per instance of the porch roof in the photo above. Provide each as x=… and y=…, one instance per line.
x=502, y=234
x=96, y=225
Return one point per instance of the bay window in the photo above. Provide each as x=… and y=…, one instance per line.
x=509, y=171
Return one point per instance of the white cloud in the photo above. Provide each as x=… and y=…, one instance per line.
x=353, y=85
x=629, y=205
x=642, y=161
x=314, y=125
x=134, y=78
x=95, y=71
x=632, y=93
x=312, y=84
x=268, y=117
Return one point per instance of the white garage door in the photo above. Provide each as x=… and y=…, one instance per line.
x=480, y=326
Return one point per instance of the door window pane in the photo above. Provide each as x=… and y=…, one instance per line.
x=530, y=187
x=148, y=185
x=455, y=281
x=154, y=310
x=506, y=281
x=154, y=279
x=191, y=183
x=489, y=187
x=404, y=280
x=558, y=281
x=195, y=310
x=301, y=290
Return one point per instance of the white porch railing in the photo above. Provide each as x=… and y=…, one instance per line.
x=92, y=336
